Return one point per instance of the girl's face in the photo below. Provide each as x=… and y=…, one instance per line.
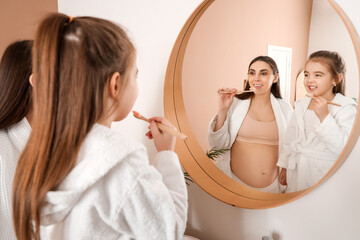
x=318, y=80
x=261, y=77
x=130, y=90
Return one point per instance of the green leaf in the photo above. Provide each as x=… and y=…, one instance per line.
x=214, y=153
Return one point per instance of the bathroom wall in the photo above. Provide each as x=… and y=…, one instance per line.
x=331, y=211
x=18, y=19
x=327, y=31
x=227, y=37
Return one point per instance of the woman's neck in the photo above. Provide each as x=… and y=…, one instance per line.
x=261, y=99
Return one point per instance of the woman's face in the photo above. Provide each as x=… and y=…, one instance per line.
x=318, y=79
x=130, y=89
x=261, y=77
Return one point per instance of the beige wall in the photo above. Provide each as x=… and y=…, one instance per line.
x=19, y=18
x=334, y=38
x=227, y=37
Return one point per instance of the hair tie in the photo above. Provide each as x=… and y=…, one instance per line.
x=70, y=19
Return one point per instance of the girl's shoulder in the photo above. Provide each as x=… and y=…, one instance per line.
x=343, y=100
x=109, y=142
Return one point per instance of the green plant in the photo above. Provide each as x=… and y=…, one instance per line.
x=214, y=153
x=187, y=178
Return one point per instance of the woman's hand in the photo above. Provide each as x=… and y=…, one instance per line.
x=162, y=140
x=226, y=98
x=320, y=107
x=282, y=177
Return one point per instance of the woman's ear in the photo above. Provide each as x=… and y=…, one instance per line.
x=276, y=78
x=114, y=85
x=31, y=80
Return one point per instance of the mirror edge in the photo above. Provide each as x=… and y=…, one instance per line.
x=192, y=156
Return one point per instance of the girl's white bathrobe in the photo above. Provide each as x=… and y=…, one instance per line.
x=12, y=141
x=113, y=192
x=307, y=159
x=225, y=137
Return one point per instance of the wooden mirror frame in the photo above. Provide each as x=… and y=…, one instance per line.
x=193, y=157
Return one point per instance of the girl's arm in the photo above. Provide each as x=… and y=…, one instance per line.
x=156, y=206
x=334, y=131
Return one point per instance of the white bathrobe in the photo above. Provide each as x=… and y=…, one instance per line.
x=307, y=159
x=12, y=142
x=225, y=137
x=115, y=193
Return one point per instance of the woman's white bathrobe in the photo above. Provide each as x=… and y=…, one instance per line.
x=225, y=137
x=12, y=141
x=307, y=159
x=114, y=192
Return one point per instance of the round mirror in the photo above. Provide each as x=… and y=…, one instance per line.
x=214, y=49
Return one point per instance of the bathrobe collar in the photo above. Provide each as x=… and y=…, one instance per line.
x=19, y=134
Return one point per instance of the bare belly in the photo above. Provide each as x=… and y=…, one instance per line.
x=254, y=164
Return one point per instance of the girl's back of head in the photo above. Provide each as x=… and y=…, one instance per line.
x=74, y=59
x=15, y=89
x=336, y=65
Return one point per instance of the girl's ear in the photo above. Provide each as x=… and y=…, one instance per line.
x=114, y=85
x=276, y=78
x=32, y=80
x=338, y=80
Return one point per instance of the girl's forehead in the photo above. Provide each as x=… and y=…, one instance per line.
x=316, y=66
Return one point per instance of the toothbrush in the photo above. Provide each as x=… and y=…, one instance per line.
x=329, y=102
x=161, y=126
x=240, y=91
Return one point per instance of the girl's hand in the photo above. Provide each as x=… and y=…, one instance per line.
x=282, y=177
x=162, y=140
x=321, y=108
x=226, y=98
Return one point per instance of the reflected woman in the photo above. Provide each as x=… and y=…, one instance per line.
x=252, y=125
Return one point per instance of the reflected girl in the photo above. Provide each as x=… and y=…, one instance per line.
x=253, y=126
x=318, y=131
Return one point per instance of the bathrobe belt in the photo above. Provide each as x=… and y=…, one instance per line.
x=297, y=149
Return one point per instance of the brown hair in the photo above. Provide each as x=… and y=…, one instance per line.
x=275, y=87
x=336, y=65
x=15, y=89
x=73, y=62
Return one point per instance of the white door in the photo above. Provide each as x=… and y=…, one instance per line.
x=282, y=57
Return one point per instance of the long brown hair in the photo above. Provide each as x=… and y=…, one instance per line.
x=336, y=65
x=74, y=58
x=15, y=89
x=275, y=87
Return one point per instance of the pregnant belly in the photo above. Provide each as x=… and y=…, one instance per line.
x=254, y=164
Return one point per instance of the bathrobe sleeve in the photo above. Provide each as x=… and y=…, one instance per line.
x=225, y=136
x=335, y=129
x=290, y=136
x=221, y=138
x=156, y=204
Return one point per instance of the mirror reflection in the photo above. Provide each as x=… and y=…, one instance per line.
x=218, y=56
